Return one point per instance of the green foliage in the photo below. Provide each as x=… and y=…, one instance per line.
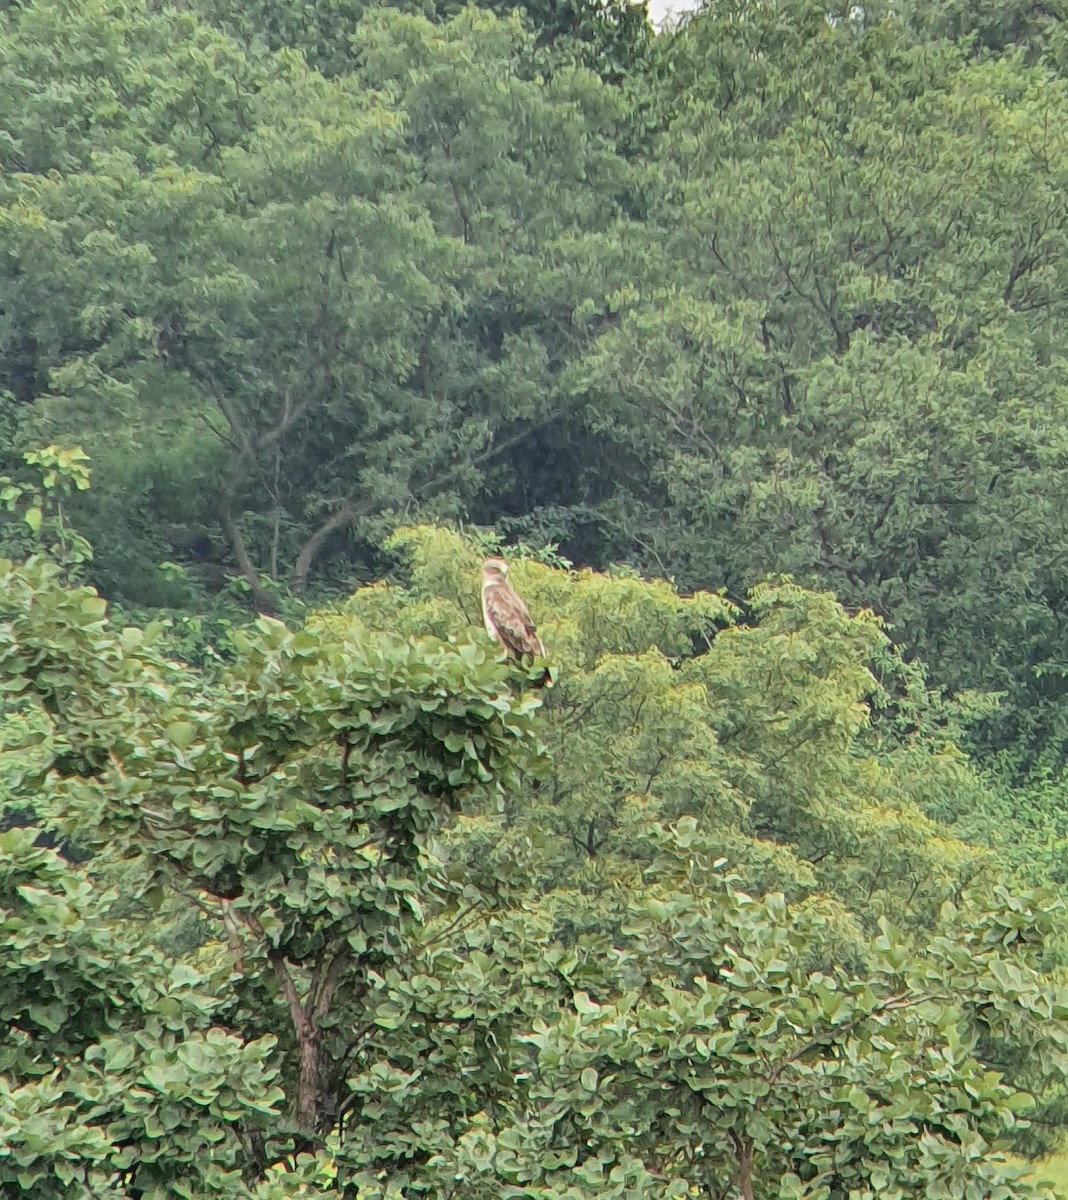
x=411, y=977
x=777, y=296
x=113, y=1070
x=297, y=794
x=776, y=292
x=274, y=306
x=668, y=706
x=41, y=523
x=732, y=1065
x=607, y=35
x=839, y=354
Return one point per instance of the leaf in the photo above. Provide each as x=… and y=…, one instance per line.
x=181, y=733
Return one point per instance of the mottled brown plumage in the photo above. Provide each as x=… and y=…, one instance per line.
x=507, y=618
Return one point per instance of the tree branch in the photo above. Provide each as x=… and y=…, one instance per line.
x=743, y=1148
x=351, y=510
x=249, y=448
x=308, y=1102
x=244, y=561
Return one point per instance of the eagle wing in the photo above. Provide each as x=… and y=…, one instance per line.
x=510, y=620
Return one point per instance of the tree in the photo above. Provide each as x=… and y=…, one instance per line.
x=294, y=798
x=40, y=507
x=787, y=299
x=731, y=1067
x=306, y=304
x=841, y=360
x=117, y=1081
x=608, y=36
x=388, y=994
x=766, y=731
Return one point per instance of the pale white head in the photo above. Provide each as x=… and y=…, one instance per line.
x=494, y=568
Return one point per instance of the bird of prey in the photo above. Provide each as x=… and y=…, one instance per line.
x=507, y=618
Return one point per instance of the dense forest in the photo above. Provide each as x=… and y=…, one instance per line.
x=746, y=342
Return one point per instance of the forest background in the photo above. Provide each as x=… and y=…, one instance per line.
x=759, y=324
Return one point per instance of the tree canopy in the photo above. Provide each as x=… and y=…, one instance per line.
x=428, y=948
x=776, y=292
x=743, y=340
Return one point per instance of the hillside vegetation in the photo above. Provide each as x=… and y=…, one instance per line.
x=746, y=343
x=360, y=916
x=781, y=292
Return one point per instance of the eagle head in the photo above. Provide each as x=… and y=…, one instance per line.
x=494, y=568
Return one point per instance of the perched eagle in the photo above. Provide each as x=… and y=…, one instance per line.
x=507, y=618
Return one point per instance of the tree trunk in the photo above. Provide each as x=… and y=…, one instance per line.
x=260, y=597
x=308, y=1106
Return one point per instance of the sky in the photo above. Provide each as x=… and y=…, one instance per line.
x=659, y=9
